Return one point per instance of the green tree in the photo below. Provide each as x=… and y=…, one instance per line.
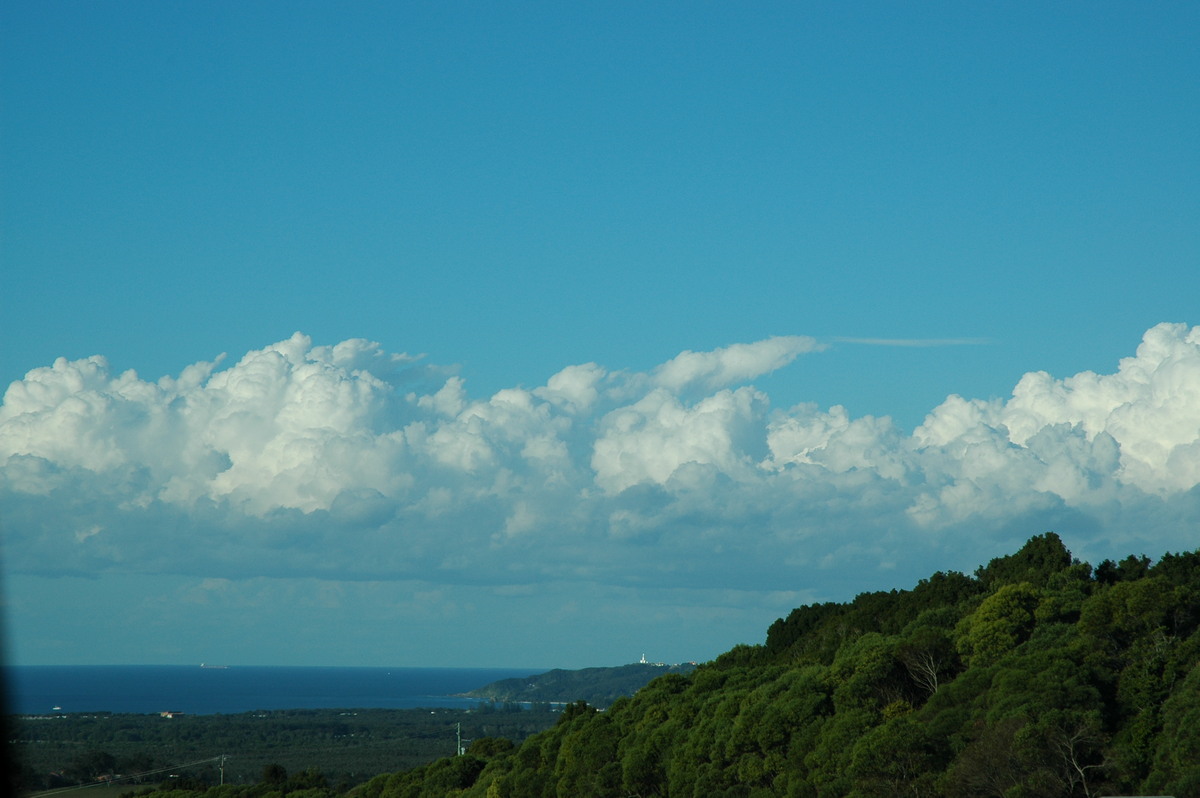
x=587, y=759
x=1003, y=620
x=489, y=747
x=1041, y=557
x=990, y=766
x=1176, y=768
x=897, y=758
x=867, y=673
x=274, y=774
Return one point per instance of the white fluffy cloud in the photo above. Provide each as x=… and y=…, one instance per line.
x=348, y=461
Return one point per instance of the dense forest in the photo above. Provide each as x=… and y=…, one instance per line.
x=1036, y=676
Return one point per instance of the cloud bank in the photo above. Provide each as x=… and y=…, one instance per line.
x=351, y=463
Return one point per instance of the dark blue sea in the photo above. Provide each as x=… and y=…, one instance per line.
x=42, y=689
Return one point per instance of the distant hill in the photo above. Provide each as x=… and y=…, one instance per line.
x=600, y=687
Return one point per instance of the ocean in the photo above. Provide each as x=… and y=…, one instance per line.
x=44, y=689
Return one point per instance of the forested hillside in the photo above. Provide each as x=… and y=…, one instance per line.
x=1037, y=676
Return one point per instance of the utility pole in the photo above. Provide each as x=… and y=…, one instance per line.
x=458, y=738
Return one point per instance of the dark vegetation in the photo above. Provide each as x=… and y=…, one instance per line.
x=345, y=747
x=599, y=687
x=1037, y=676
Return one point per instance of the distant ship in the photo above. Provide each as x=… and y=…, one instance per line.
x=206, y=666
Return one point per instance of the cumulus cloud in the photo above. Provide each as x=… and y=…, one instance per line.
x=651, y=439
x=346, y=461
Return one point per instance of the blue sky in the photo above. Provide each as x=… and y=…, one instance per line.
x=659, y=319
